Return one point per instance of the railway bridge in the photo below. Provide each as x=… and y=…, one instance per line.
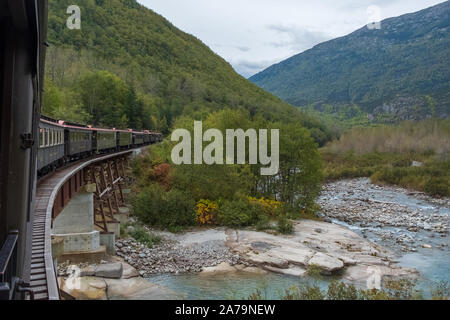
x=90, y=226
x=98, y=184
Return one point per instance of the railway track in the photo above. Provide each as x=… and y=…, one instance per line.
x=43, y=280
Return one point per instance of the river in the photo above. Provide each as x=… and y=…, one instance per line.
x=411, y=225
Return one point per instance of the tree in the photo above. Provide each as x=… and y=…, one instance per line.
x=299, y=182
x=103, y=95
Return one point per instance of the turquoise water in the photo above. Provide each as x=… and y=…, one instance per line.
x=231, y=286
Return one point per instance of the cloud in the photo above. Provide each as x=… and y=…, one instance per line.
x=248, y=68
x=296, y=38
x=237, y=47
x=252, y=34
x=243, y=49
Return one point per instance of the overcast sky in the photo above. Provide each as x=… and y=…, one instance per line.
x=254, y=34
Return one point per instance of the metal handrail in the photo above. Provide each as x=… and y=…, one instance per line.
x=8, y=266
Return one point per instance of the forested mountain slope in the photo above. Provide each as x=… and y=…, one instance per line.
x=130, y=67
x=399, y=72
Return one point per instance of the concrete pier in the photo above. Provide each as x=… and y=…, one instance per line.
x=75, y=225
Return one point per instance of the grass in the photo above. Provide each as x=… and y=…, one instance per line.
x=140, y=234
x=392, y=169
x=386, y=154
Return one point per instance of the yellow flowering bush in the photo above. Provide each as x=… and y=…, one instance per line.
x=270, y=207
x=207, y=212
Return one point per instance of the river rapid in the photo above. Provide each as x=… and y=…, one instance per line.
x=410, y=224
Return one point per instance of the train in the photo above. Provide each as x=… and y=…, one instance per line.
x=23, y=38
x=63, y=142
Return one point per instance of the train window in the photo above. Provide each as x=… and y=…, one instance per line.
x=46, y=137
x=41, y=138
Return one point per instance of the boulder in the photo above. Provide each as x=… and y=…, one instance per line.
x=292, y=271
x=222, y=268
x=265, y=259
x=138, y=289
x=296, y=256
x=129, y=272
x=109, y=271
x=254, y=270
x=88, y=271
x=326, y=263
x=86, y=288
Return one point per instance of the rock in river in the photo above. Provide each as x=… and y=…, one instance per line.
x=326, y=263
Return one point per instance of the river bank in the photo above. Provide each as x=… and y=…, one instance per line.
x=333, y=250
x=412, y=225
x=370, y=234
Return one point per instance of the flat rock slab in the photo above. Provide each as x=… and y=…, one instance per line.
x=109, y=271
x=326, y=263
x=86, y=288
x=129, y=272
x=296, y=256
x=93, y=288
x=292, y=271
x=138, y=289
x=372, y=276
x=263, y=259
x=222, y=268
x=331, y=247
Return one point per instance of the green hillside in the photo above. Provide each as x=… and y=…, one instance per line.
x=399, y=72
x=130, y=67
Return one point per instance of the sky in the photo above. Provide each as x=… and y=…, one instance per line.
x=254, y=34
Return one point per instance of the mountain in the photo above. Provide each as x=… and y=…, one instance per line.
x=129, y=67
x=398, y=72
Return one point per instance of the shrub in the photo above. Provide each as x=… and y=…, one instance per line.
x=143, y=236
x=403, y=289
x=314, y=271
x=149, y=204
x=207, y=212
x=180, y=209
x=272, y=208
x=264, y=224
x=341, y=291
x=310, y=292
x=166, y=210
x=440, y=291
x=240, y=213
x=285, y=226
x=437, y=186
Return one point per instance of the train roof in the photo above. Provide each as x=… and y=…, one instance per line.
x=71, y=125
x=52, y=122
